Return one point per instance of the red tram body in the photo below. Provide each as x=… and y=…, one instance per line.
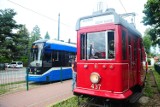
x=111, y=60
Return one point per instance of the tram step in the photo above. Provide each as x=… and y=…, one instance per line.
x=135, y=97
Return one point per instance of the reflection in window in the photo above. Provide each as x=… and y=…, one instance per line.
x=72, y=57
x=36, y=51
x=111, y=51
x=47, y=59
x=55, y=55
x=83, y=45
x=97, y=45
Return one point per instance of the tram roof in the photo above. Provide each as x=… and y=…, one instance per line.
x=113, y=18
x=40, y=41
x=58, y=45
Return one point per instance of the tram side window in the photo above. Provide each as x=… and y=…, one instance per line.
x=111, y=50
x=47, y=59
x=64, y=57
x=68, y=59
x=135, y=49
x=56, y=58
x=55, y=55
x=71, y=57
x=124, y=51
x=83, y=46
x=141, y=45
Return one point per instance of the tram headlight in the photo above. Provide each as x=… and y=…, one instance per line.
x=95, y=78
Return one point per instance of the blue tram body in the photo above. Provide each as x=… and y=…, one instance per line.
x=53, y=74
x=50, y=60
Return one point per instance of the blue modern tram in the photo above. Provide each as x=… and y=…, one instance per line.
x=50, y=60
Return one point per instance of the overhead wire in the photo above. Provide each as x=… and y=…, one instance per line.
x=39, y=13
x=128, y=14
x=122, y=5
x=50, y=17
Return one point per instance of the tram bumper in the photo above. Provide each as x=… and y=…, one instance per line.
x=102, y=93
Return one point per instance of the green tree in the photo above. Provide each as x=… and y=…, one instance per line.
x=22, y=44
x=47, y=36
x=35, y=34
x=152, y=18
x=147, y=41
x=8, y=39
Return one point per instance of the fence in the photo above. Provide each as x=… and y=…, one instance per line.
x=12, y=79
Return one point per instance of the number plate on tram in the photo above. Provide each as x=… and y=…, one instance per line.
x=96, y=86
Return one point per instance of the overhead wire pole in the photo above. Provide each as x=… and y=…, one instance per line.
x=58, y=26
x=61, y=73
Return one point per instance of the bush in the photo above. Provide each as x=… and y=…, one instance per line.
x=24, y=60
x=157, y=67
x=149, y=61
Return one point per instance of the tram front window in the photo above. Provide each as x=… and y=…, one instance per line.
x=98, y=45
x=36, y=55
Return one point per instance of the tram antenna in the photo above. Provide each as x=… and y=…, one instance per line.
x=99, y=7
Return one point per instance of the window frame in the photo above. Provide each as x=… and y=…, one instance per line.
x=83, y=45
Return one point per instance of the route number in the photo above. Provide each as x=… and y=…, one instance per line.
x=96, y=86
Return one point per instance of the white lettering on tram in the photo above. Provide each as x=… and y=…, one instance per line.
x=97, y=20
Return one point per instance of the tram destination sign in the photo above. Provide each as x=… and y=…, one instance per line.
x=97, y=20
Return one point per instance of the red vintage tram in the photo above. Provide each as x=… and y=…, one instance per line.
x=110, y=57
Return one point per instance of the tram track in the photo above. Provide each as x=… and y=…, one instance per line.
x=100, y=102
x=97, y=102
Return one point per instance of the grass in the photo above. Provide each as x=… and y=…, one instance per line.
x=72, y=102
x=8, y=87
x=157, y=77
x=16, y=86
x=12, y=83
x=148, y=89
x=3, y=90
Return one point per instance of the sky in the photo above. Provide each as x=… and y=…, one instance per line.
x=44, y=13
